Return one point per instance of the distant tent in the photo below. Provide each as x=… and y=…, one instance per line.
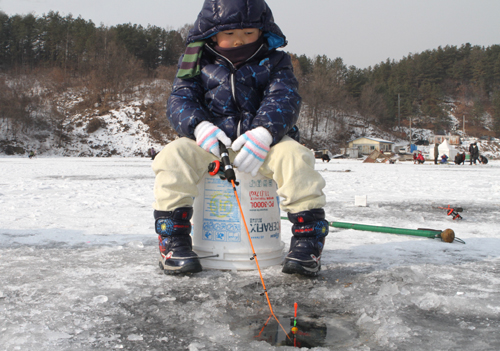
x=372, y=158
x=375, y=155
x=445, y=148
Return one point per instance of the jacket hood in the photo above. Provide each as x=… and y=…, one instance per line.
x=221, y=15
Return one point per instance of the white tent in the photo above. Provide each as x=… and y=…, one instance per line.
x=445, y=148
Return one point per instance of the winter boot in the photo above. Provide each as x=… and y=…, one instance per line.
x=176, y=249
x=309, y=231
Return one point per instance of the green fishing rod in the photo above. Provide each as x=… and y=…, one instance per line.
x=447, y=235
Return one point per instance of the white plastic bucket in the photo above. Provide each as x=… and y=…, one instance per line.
x=219, y=229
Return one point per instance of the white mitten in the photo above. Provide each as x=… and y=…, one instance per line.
x=207, y=137
x=255, y=145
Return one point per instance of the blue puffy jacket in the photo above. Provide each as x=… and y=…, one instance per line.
x=262, y=92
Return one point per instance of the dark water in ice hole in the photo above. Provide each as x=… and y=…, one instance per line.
x=313, y=330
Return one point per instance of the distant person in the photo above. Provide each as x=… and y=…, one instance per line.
x=414, y=158
x=436, y=153
x=444, y=159
x=325, y=157
x=483, y=160
x=460, y=158
x=474, y=153
x=470, y=152
x=420, y=158
x=152, y=153
x=32, y=154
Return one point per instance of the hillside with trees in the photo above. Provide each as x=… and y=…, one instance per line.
x=53, y=68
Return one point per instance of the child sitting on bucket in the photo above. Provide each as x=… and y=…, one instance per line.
x=234, y=86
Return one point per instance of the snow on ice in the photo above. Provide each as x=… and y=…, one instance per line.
x=78, y=264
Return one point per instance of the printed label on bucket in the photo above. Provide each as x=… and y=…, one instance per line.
x=221, y=218
x=219, y=229
x=259, y=228
x=261, y=200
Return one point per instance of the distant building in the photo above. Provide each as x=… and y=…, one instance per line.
x=366, y=145
x=451, y=139
x=352, y=152
x=422, y=142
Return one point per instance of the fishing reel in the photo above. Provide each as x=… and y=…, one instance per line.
x=453, y=212
x=223, y=168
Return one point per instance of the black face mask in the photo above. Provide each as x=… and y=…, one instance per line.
x=240, y=54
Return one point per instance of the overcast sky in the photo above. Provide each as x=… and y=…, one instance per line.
x=361, y=32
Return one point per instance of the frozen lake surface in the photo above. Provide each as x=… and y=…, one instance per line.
x=78, y=265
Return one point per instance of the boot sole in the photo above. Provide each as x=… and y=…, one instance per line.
x=293, y=267
x=194, y=267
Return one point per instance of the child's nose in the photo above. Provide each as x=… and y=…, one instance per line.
x=239, y=41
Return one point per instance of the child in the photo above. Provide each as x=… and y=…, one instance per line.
x=234, y=86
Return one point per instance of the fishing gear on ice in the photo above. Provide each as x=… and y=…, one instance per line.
x=453, y=212
x=226, y=167
x=447, y=235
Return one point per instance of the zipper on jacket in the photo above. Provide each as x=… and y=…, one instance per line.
x=231, y=75
x=233, y=90
x=232, y=78
x=233, y=70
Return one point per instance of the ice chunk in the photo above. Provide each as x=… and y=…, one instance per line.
x=427, y=302
x=196, y=346
x=388, y=289
x=368, y=323
x=53, y=335
x=136, y=244
x=100, y=299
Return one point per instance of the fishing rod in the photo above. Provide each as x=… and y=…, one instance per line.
x=228, y=171
x=447, y=235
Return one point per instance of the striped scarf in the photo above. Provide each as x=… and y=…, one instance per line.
x=190, y=65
